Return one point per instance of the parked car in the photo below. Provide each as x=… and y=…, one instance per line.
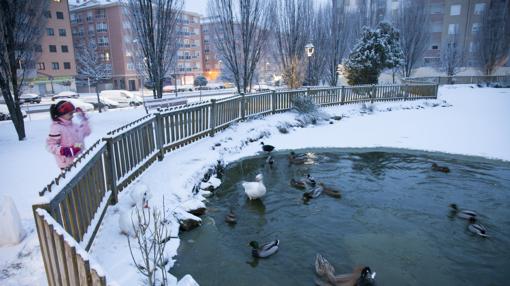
x=5, y=115
x=105, y=102
x=65, y=94
x=122, y=96
x=78, y=103
x=30, y=98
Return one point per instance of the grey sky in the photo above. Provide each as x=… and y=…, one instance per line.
x=200, y=6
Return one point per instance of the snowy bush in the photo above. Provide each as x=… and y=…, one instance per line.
x=377, y=50
x=308, y=111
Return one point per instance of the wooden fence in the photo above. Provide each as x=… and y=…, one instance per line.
x=79, y=197
x=441, y=80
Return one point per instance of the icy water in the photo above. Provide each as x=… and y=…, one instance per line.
x=393, y=216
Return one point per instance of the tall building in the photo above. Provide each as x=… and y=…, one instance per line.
x=210, y=61
x=190, y=53
x=56, y=67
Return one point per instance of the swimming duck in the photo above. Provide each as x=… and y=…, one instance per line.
x=255, y=190
x=330, y=192
x=265, y=250
x=436, y=167
x=297, y=184
x=267, y=148
x=326, y=271
x=477, y=228
x=465, y=214
x=313, y=193
x=310, y=180
x=269, y=160
x=231, y=218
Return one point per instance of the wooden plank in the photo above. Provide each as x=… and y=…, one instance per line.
x=72, y=267
x=84, y=272
x=43, y=242
x=76, y=210
x=71, y=217
x=96, y=279
x=52, y=253
x=62, y=261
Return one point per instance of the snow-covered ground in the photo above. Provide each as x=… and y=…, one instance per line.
x=464, y=120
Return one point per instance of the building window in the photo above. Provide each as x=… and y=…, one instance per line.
x=40, y=66
x=55, y=66
x=47, y=14
x=436, y=28
x=436, y=8
x=101, y=27
x=62, y=32
x=90, y=16
x=67, y=65
x=64, y=48
x=455, y=10
x=435, y=47
x=53, y=49
x=475, y=28
x=60, y=15
x=479, y=8
x=453, y=29
x=107, y=56
x=50, y=32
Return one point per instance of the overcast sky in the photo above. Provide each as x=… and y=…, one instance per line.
x=200, y=6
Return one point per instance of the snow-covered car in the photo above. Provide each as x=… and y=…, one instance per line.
x=5, y=115
x=122, y=96
x=30, y=98
x=103, y=100
x=65, y=94
x=263, y=87
x=78, y=104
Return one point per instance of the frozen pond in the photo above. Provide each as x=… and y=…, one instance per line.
x=393, y=216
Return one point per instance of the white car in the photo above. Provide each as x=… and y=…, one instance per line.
x=30, y=98
x=104, y=101
x=65, y=94
x=5, y=115
x=79, y=104
x=122, y=97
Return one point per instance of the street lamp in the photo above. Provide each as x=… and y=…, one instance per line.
x=310, y=49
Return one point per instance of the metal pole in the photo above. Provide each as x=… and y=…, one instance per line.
x=309, y=62
x=175, y=79
x=88, y=82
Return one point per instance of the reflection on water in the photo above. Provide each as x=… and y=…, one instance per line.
x=393, y=216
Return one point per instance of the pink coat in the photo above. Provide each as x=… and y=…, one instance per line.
x=65, y=133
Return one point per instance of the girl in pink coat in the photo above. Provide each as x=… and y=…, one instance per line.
x=66, y=138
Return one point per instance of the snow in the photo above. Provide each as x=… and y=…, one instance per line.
x=464, y=120
x=11, y=231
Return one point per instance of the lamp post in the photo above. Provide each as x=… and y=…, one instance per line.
x=310, y=49
x=143, y=86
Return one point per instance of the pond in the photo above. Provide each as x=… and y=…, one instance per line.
x=393, y=216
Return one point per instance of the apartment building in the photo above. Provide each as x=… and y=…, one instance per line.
x=190, y=53
x=210, y=61
x=56, y=67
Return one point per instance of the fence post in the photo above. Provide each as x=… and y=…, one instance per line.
x=342, y=95
x=372, y=96
x=212, y=120
x=111, y=170
x=159, y=135
x=243, y=106
x=273, y=102
x=437, y=87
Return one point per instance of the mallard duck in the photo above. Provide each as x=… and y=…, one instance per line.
x=265, y=250
x=255, y=190
x=465, y=214
x=270, y=160
x=310, y=180
x=326, y=271
x=297, y=158
x=313, y=193
x=330, y=192
x=436, y=167
x=231, y=218
x=477, y=228
x=267, y=148
x=297, y=184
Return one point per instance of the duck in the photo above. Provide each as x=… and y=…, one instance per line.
x=330, y=192
x=313, y=193
x=128, y=216
x=297, y=160
x=297, y=184
x=231, y=218
x=360, y=276
x=267, y=148
x=436, y=167
x=270, y=160
x=255, y=190
x=465, y=214
x=477, y=228
x=310, y=180
x=266, y=250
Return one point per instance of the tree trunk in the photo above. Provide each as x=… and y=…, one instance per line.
x=99, y=103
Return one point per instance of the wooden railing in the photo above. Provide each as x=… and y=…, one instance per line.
x=78, y=198
x=441, y=80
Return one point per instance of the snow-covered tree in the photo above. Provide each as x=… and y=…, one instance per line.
x=21, y=27
x=200, y=81
x=240, y=31
x=378, y=49
x=452, y=57
x=412, y=22
x=93, y=66
x=493, y=43
x=154, y=24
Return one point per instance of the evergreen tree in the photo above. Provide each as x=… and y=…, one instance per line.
x=378, y=49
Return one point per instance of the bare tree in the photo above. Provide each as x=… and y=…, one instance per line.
x=320, y=37
x=292, y=20
x=154, y=24
x=494, y=37
x=338, y=24
x=240, y=30
x=21, y=28
x=93, y=66
x=452, y=58
x=413, y=23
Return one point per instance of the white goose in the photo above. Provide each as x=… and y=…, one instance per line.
x=128, y=219
x=255, y=190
